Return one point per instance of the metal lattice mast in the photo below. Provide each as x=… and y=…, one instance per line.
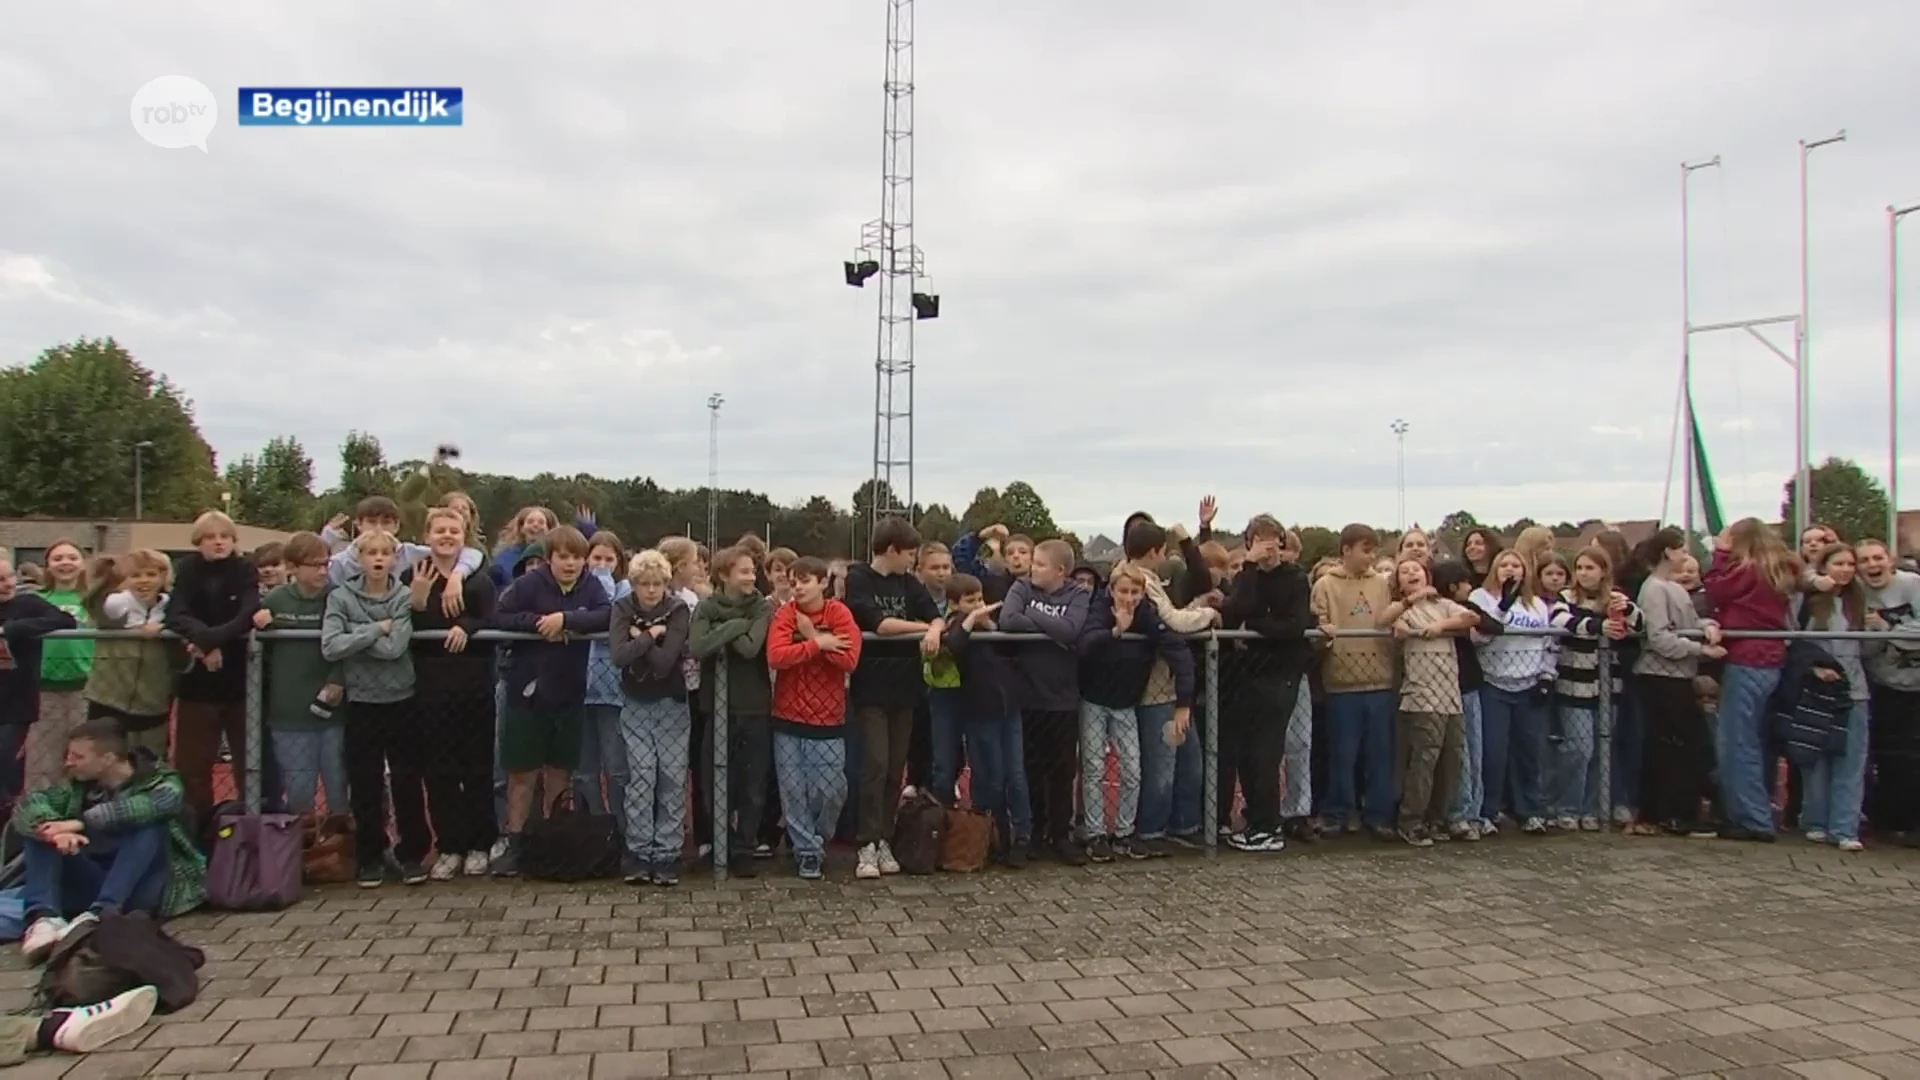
x=891, y=240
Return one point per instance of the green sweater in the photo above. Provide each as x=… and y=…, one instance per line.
x=733, y=630
x=66, y=662
x=153, y=795
x=295, y=671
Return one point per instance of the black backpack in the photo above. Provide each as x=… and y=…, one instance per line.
x=918, y=829
x=571, y=844
x=115, y=955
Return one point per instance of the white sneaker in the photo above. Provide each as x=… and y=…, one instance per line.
x=476, y=864
x=1852, y=845
x=39, y=940
x=869, y=866
x=91, y=1027
x=1816, y=836
x=888, y=864
x=499, y=849
x=445, y=868
x=1566, y=823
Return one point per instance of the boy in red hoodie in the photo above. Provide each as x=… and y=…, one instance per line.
x=814, y=644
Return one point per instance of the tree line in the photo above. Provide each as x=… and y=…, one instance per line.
x=74, y=420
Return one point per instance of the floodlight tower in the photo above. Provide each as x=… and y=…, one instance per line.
x=887, y=252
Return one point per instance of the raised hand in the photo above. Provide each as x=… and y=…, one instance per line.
x=1208, y=508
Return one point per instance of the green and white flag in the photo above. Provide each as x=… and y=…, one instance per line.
x=1706, y=500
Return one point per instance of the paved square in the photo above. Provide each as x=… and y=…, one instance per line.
x=1569, y=957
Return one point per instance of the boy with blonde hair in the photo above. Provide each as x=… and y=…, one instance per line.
x=647, y=642
x=1355, y=596
x=215, y=593
x=1048, y=603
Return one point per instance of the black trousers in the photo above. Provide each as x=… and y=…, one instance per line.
x=749, y=765
x=920, y=748
x=702, y=779
x=457, y=723
x=1893, y=751
x=385, y=746
x=1254, y=739
x=1678, y=751
x=1051, y=740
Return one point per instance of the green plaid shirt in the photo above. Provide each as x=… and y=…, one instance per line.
x=154, y=794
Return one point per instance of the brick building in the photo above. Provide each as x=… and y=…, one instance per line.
x=28, y=538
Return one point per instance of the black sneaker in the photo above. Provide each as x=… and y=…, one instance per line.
x=507, y=863
x=1303, y=829
x=1069, y=853
x=1155, y=848
x=1100, y=850
x=1741, y=832
x=744, y=867
x=635, y=872
x=1015, y=857
x=667, y=873
x=1184, y=842
x=1414, y=835
x=372, y=874
x=1126, y=847
x=1258, y=842
x=763, y=851
x=412, y=873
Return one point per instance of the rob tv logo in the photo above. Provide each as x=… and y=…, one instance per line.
x=174, y=112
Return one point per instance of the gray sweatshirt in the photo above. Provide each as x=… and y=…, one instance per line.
x=1895, y=664
x=374, y=663
x=1668, y=611
x=1846, y=650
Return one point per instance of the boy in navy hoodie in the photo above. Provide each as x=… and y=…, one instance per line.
x=990, y=692
x=1047, y=602
x=546, y=680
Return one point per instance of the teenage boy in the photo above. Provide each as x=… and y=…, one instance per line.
x=886, y=599
x=546, y=680
x=113, y=838
x=991, y=688
x=377, y=513
x=270, y=565
x=1271, y=719
x=306, y=729
x=1164, y=746
x=729, y=636
x=366, y=630
x=1358, y=671
x=215, y=594
x=934, y=758
x=813, y=644
x=453, y=698
x=995, y=556
x=1049, y=603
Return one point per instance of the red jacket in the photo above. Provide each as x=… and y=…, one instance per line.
x=810, y=690
x=1743, y=599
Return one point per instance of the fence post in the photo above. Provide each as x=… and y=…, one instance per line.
x=252, y=781
x=1603, y=731
x=1210, y=749
x=722, y=741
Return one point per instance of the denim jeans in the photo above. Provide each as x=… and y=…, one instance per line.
x=1361, y=724
x=1629, y=737
x=999, y=767
x=1101, y=725
x=1466, y=803
x=1836, y=783
x=499, y=770
x=1297, y=764
x=1739, y=737
x=310, y=756
x=1158, y=764
x=946, y=715
x=655, y=744
x=124, y=871
x=813, y=787
x=602, y=751
x=1574, y=792
x=1189, y=781
x=1513, y=741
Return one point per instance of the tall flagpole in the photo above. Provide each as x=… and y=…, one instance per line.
x=1686, y=337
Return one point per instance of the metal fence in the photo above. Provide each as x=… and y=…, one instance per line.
x=1375, y=733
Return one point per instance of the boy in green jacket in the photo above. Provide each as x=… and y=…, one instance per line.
x=112, y=838
x=729, y=632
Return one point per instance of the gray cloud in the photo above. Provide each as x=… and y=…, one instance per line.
x=1212, y=247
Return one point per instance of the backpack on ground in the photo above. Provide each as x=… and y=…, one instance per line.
x=327, y=850
x=917, y=831
x=969, y=836
x=256, y=863
x=107, y=958
x=571, y=844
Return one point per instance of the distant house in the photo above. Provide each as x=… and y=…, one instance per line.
x=1102, y=550
x=29, y=538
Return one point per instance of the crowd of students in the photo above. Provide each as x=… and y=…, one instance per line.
x=1418, y=696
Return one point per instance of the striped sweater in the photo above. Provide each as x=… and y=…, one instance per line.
x=1577, y=680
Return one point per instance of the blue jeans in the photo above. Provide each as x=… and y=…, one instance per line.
x=1738, y=742
x=946, y=715
x=603, y=749
x=1836, y=784
x=1158, y=764
x=308, y=757
x=998, y=759
x=1189, y=781
x=1466, y=803
x=656, y=743
x=1362, y=727
x=499, y=770
x=1629, y=747
x=1513, y=741
x=813, y=787
x=116, y=871
x=1575, y=790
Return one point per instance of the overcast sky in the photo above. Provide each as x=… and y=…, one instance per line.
x=1214, y=246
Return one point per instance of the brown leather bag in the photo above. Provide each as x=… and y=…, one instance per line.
x=965, y=841
x=327, y=853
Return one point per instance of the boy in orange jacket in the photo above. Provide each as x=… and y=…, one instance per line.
x=814, y=644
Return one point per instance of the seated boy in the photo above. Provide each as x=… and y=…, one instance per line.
x=111, y=839
x=377, y=513
x=813, y=644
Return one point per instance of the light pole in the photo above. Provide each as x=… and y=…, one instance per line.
x=140, y=479
x=1803, y=498
x=1687, y=169
x=1399, y=429
x=1894, y=214
x=714, y=402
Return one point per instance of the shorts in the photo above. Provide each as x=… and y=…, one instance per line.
x=534, y=739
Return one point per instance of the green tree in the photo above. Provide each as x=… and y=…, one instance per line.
x=1022, y=510
x=937, y=522
x=275, y=487
x=983, y=511
x=1844, y=498
x=1317, y=543
x=363, y=467
x=69, y=425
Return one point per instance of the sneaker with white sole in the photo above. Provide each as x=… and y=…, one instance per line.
x=869, y=862
x=1851, y=845
x=1816, y=836
x=445, y=868
x=86, y=1029
x=41, y=937
x=888, y=864
x=475, y=864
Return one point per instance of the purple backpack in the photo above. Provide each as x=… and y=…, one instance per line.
x=256, y=862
